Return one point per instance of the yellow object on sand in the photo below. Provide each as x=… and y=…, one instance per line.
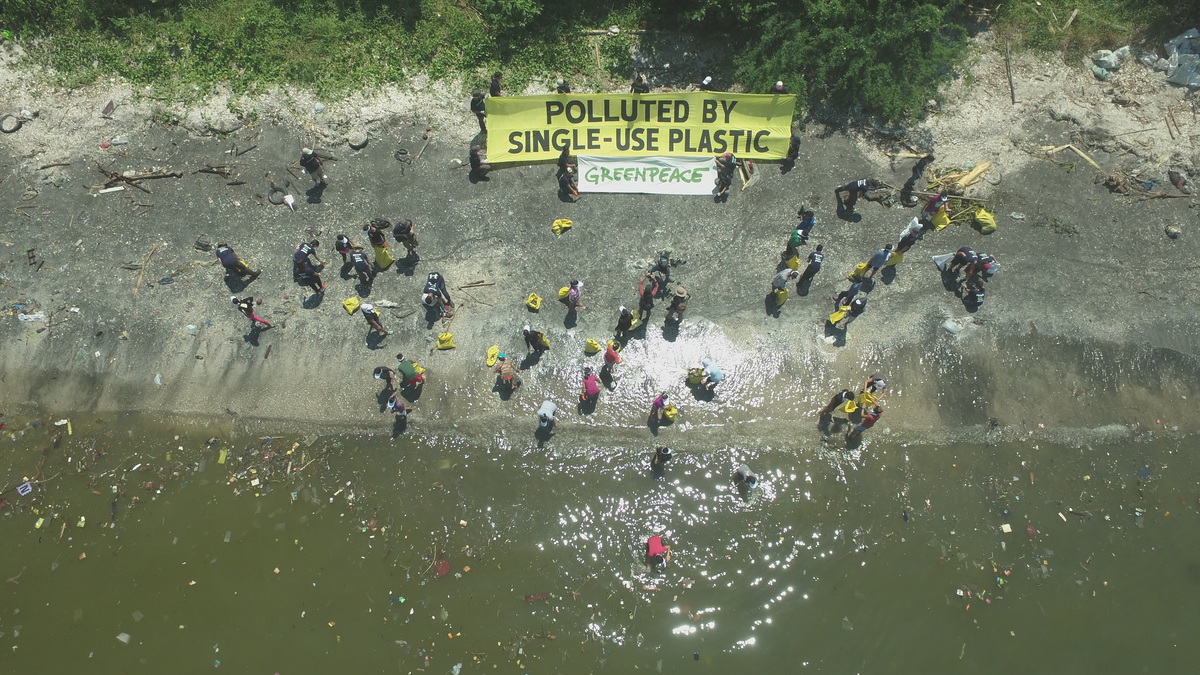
x=592, y=347
x=987, y=221
x=446, y=341
x=564, y=292
x=417, y=368
x=894, y=259
x=793, y=262
x=561, y=225
x=695, y=375
x=383, y=258
x=849, y=406
x=534, y=301
x=839, y=314
x=351, y=304
x=670, y=411
x=493, y=353
x=859, y=273
x=781, y=296
x=866, y=399
x=940, y=219
x=615, y=345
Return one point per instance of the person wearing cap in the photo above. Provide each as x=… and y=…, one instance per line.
x=854, y=189
x=854, y=310
x=233, y=264
x=707, y=84
x=372, y=317
x=656, y=553
x=662, y=455
x=246, y=307
x=547, y=416
x=624, y=322
x=404, y=231
x=494, y=86
x=639, y=86
x=868, y=420
x=726, y=163
x=713, y=375
x=815, y=259
x=878, y=260
x=779, y=88
x=480, y=109
x=509, y=375
x=561, y=87
x=782, y=277
x=591, y=386
x=408, y=371
x=679, y=303
x=344, y=246
x=658, y=406
x=910, y=235
x=312, y=164
x=362, y=267
x=838, y=399
x=744, y=478
x=535, y=341
x=388, y=376
x=398, y=407
x=932, y=206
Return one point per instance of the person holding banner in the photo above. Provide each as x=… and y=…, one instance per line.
x=494, y=87
x=567, y=185
x=479, y=108
x=639, y=86
x=562, y=87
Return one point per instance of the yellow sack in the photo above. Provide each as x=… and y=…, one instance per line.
x=859, y=273
x=564, y=292
x=592, y=347
x=695, y=375
x=839, y=314
x=987, y=221
x=866, y=399
x=637, y=321
x=534, y=302
x=615, y=345
x=493, y=353
x=383, y=258
x=794, y=262
x=351, y=304
x=781, y=297
x=940, y=219
x=445, y=341
x=894, y=259
x=561, y=225
x=670, y=411
x=417, y=368
x=849, y=406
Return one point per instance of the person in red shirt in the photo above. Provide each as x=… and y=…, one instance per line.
x=611, y=359
x=868, y=420
x=656, y=553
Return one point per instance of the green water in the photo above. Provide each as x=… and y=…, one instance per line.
x=840, y=562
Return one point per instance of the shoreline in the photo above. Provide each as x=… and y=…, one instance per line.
x=1066, y=319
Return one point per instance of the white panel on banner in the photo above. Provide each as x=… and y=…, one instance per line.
x=647, y=175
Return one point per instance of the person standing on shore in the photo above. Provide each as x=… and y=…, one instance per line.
x=480, y=109
x=679, y=304
x=838, y=399
x=611, y=360
x=398, y=407
x=494, y=86
x=624, y=322
x=779, y=286
x=647, y=290
x=233, y=264
x=662, y=455
x=388, y=376
x=362, y=267
x=344, y=246
x=246, y=307
x=658, y=407
x=479, y=162
x=575, y=296
x=875, y=385
x=854, y=190
x=868, y=420
x=404, y=231
x=815, y=258
x=377, y=234
x=372, y=317
x=853, y=311
x=565, y=165
x=312, y=164
x=856, y=279
x=935, y=204
x=535, y=341
x=878, y=260
x=510, y=376
x=909, y=236
x=547, y=416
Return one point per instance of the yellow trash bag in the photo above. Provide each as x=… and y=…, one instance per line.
x=987, y=221
x=592, y=347
x=615, y=345
x=894, y=259
x=351, y=304
x=670, y=411
x=534, y=301
x=794, y=262
x=564, y=292
x=781, y=296
x=695, y=375
x=849, y=406
x=940, y=219
x=561, y=225
x=418, y=368
x=866, y=399
x=446, y=341
x=859, y=273
x=493, y=353
x=839, y=314
x=637, y=321
x=383, y=258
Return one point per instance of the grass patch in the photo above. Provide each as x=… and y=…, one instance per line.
x=1099, y=24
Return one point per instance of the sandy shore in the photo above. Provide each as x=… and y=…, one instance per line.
x=1089, y=333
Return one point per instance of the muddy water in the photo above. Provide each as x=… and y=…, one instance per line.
x=397, y=557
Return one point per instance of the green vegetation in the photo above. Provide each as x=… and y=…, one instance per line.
x=887, y=56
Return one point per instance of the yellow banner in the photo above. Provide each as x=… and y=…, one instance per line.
x=533, y=128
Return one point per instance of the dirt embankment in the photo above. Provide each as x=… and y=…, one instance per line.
x=1091, y=325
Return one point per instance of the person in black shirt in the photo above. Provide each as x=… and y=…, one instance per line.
x=707, y=83
x=494, y=88
x=779, y=88
x=246, y=307
x=567, y=184
x=565, y=165
x=312, y=164
x=372, y=317
x=343, y=245
x=231, y=262
x=405, y=232
x=814, y=265
x=639, y=86
x=479, y=108
x=479, y=163
x=562, y=87
x=854, y=190
x=362, y=266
